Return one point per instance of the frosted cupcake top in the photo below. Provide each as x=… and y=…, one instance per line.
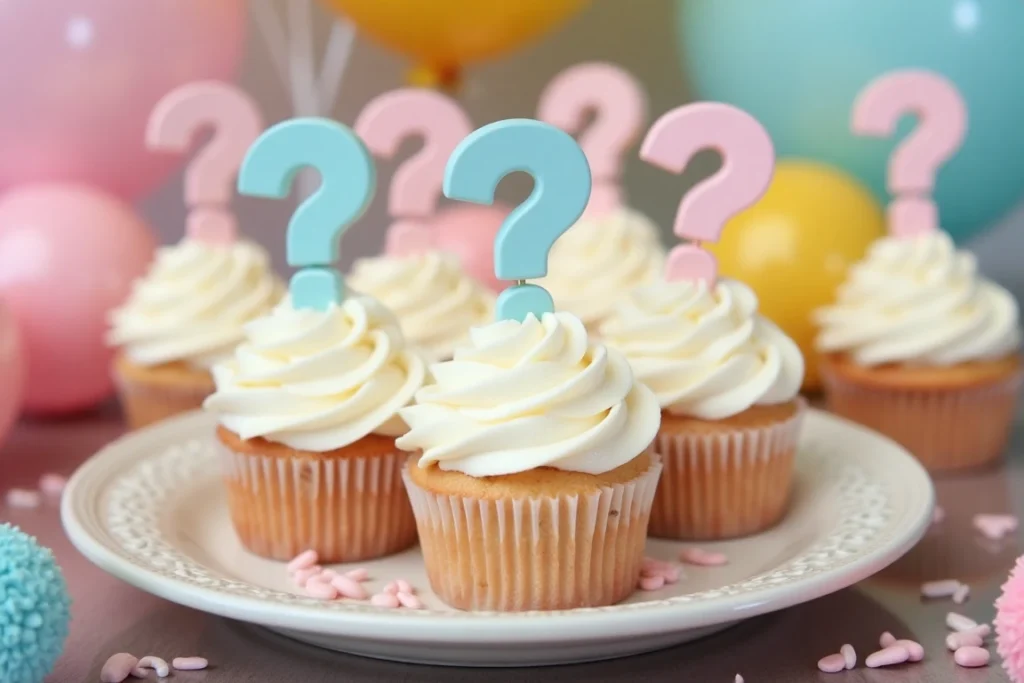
x=434, y=300
x=318, y=380
x=531, y=394
x=598, y=259
x=192, y=303
x=920, y=301
x=705, y=352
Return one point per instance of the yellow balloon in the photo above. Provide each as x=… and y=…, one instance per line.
x=794, y=246
x=444, y=35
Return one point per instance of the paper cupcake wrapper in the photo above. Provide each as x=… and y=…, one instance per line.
x=144, y=403
x=545, y=553
x=945, y=429
x=724, y=485
x=347, y=509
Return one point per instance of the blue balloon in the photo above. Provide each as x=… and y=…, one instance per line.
x=797, y=65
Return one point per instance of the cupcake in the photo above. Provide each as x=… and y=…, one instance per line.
x=599, y=258
x=532, y=475
x=921, y=348
x=308, y=412
x=434, y=300
x=726, y=380
x=185, y=315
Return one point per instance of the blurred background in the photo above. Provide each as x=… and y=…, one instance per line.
x=639, y=36
x=643, y=37
x=91, y=72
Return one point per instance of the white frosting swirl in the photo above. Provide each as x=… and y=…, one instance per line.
x=434, y=300
x=531, y=394
x=193, y=302
x=596, y=260
x=706, y=353
x=318, y=380
x=919, y=301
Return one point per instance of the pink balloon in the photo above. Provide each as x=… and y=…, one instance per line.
x=68, y=254
x=89, y=72
x=12, y=370
x=469, y=231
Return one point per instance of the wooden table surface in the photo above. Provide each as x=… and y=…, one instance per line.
x=109, y=616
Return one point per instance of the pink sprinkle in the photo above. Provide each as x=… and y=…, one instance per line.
x=405, y=587
x=322, y=590
x=359, y=574
x=970, y=656
x=151, y=662
x=894, y=654
x=118, y=667
x=940, y=589
x=981, y=630
x=651, y=583
x=938, y=514
x=189, y=663
x=995, y=527
x=385, y=600
x=886, y=639
x=391, y=588
x=959, y=639
x=52, y=484
x=651, y=567
x=849, y=655
x=303, y=575
x=23, y=498
x=832, y=664
x=349, y=588
x=959, y=622
x=703, y=558
x=913, y=649
x=962, y=593
x=303, y=560
x=409, y=600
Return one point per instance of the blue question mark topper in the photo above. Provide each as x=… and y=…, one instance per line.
x=561, y=190
x=347, y=182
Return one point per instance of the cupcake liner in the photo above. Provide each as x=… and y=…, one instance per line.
x=543, y=553
x=144, y=403
x=347, y=509
x=727, y=484
x=946, y=429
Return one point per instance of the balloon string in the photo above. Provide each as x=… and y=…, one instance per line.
x=301, y=62
x=277, y=42
x=292, y=55
x=336, y=56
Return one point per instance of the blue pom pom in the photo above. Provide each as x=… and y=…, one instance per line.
x=34, y=608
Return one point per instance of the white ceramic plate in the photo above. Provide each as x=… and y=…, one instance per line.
x=150, y=510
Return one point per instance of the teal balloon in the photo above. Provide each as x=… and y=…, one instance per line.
x=797, y=66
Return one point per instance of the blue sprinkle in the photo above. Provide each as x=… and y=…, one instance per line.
x=35, y=608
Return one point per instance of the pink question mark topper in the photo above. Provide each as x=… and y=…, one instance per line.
x=941, y=129
x=748, y=162
x=620, y=109
x=388, y=121
x=209, y=180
